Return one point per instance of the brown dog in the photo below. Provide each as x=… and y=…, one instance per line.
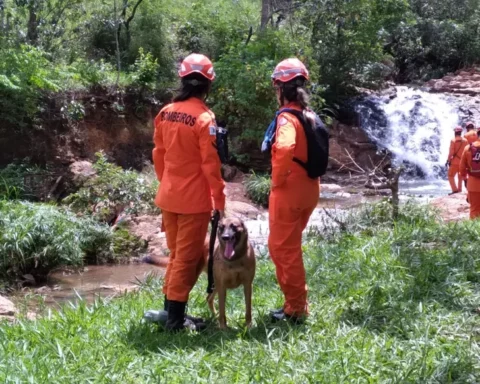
x=233, y=265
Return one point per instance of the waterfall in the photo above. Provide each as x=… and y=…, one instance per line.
x=415, y=126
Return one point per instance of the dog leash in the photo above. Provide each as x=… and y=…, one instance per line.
x=213, y=234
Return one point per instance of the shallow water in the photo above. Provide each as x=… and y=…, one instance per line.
x=426, y=188
x=93, y=281
x=112, y=280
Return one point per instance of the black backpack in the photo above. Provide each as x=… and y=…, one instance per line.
x=317, y=144
x=222, y=144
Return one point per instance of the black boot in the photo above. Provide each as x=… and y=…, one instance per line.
x=177, y=321
x=194, y=319
x=276, y=311
x=280, y=315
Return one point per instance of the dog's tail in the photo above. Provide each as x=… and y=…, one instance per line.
x=156, y=260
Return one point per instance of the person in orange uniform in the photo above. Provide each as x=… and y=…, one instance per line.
x=470, y=166
x=457, y=145
x=293, y=195
x=471, y=135
x=188, y=168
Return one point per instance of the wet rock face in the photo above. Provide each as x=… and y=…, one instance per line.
x=463, y=90
x=350, y=145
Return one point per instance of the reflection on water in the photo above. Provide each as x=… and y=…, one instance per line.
x=433, y=188
x=94, y=281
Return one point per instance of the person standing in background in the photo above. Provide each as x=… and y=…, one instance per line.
x=471, y=134
x=470, y=166
x=457, y=146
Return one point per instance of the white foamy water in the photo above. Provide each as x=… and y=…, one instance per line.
x=415, y=126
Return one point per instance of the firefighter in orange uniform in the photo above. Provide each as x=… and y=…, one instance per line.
x=293, y=195
x=470, y=166
x=471, y=134
x=188, y=168
x=457, y=145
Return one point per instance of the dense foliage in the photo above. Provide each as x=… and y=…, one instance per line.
x=114, y=190
x=396, y=306
x=63, y=45
x=36, y=238
x=42, y=237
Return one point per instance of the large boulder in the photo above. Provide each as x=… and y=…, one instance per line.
x=81, y=171
x=7, y=309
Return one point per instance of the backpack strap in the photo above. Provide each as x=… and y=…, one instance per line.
x=301, y=118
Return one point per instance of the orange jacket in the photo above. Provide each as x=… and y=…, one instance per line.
x=457, y=145
x=186, y=159
x=471, y=136
x=290, y=142
x=473, y=184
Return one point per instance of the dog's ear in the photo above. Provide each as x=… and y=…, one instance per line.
x=243, y=225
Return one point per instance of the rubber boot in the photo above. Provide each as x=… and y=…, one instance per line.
x=177, y=321
x=194, y=319
x=276, y=311
x=279, y=315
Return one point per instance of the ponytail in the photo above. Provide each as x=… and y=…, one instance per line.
x=193, y=85
x=295, y=91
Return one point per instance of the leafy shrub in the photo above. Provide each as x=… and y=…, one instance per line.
x=12, y=180
x=41, y=237
x=113, y=190
x=126, y=245
x=145, y=69
x=258, y=188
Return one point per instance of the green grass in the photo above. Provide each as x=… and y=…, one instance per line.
x=396, y=304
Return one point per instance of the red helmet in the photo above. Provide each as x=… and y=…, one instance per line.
x=469, y=123
x=288, y=69
x=458, y=129
x=197, y=63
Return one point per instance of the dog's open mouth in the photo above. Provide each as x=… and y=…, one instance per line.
x=229, y=248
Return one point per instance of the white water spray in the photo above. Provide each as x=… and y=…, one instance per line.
x=415, y=126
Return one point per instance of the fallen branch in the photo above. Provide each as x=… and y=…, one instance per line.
x=340, y=223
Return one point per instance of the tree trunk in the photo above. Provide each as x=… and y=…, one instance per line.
x=2, y=17
x=266, y=7
x=395, y=201
x=32, y=33
x=117, y=42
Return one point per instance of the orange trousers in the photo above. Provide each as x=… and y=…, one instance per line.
x=290, y=207
x=185, y=238
x=454, y=171
x=474, y=200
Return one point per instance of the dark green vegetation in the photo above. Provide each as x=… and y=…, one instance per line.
x=258, y=188
x=38, y=237
x=58, y=48
x=390, y=303
x=113, y=190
